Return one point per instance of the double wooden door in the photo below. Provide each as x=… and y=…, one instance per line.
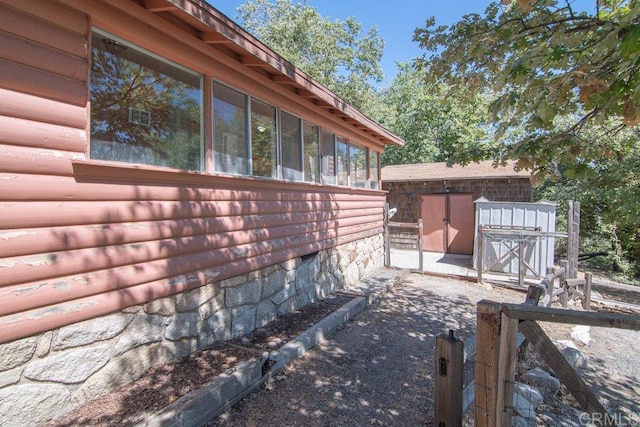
x=448, y=221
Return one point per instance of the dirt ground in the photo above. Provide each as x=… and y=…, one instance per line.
x=164, y=384
x=377, y=369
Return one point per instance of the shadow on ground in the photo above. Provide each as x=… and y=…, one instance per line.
x=378, y=369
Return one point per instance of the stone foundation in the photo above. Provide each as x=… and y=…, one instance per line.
x=46, y=375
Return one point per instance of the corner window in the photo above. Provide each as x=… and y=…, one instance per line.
x=263, y=139
x=311, y=145
x=230, y=146
x=358, y=165
x=374, y=176
x=144, y=109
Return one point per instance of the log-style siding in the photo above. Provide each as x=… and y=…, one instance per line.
x=82, y=238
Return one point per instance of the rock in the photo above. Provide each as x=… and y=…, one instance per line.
x=243, y=320
x=44, y=344
x=10, y=377
x=183, y=325
x=247, y=293
x=580, y=334
x=522, y=422
x=193, y=299
x=523, y=407
x=265, y=313
x=129, y=367
x=575, y=357
x=16, y=353
x=543, y=381
x=91, y=331
x=212, y=306
x=285, y=294
x=288, y=306
x=528, y=392
x=31, y=404
x=144, y=329
x=69, y=367
x=273, y=283
x=216, y=328
x=162, y=306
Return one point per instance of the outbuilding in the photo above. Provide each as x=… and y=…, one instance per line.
x=443, y=198
x=168, y=181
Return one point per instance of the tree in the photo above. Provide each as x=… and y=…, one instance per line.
x=554, y=73
x=433, y=123
x=337, y=54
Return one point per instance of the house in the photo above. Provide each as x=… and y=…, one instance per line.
x=168, y=181
x=443, y=198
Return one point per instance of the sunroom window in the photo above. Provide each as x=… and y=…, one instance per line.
x=342, y=161
x=311, y=145
x=328, y=156
x=264, y=149
x=291, y=137
x=230, y=147
x=374, y=176
x=144, y=109
x=358, y=165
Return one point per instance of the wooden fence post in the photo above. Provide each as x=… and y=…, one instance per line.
x=420, y=253
x=487, y=352
x=387, y=238
x=449, y=372
x=480, y=256
x=506, y=371
x=573, y=242
x=587, y=290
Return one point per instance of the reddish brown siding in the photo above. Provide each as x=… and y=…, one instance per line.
x=82, y=238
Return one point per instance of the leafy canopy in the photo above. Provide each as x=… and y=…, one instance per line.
x=553, y=71
x=338, y=54
x=433, y=123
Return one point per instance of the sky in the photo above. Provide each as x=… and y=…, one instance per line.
x=395, y=20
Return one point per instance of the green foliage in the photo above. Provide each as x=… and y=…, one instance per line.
x=433, y=121
x=609, y=192
x=565, y=101
x=338, y=54
x=553, y=71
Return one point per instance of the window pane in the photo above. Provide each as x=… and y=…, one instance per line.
x=358, y=165
x=328, y=153
x=291, y=147
x=230, y=137
x=263, y=139
x=310, y=152
x=143, y=109
x=342, y=153
x=373, y=170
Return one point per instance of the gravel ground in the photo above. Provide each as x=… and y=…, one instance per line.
x=378, y=369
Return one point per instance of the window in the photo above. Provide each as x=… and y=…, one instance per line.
x=342, y=161
x=230, y=148
x=328, y=157
x=291, y=138
x=358, y=165
x=311, y=145
x=263, y=139
x=374, y=176
x=144, y=109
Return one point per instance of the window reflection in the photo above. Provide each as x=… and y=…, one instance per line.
x=143, y=109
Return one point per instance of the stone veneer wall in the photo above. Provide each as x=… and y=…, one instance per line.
x=49, y=374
